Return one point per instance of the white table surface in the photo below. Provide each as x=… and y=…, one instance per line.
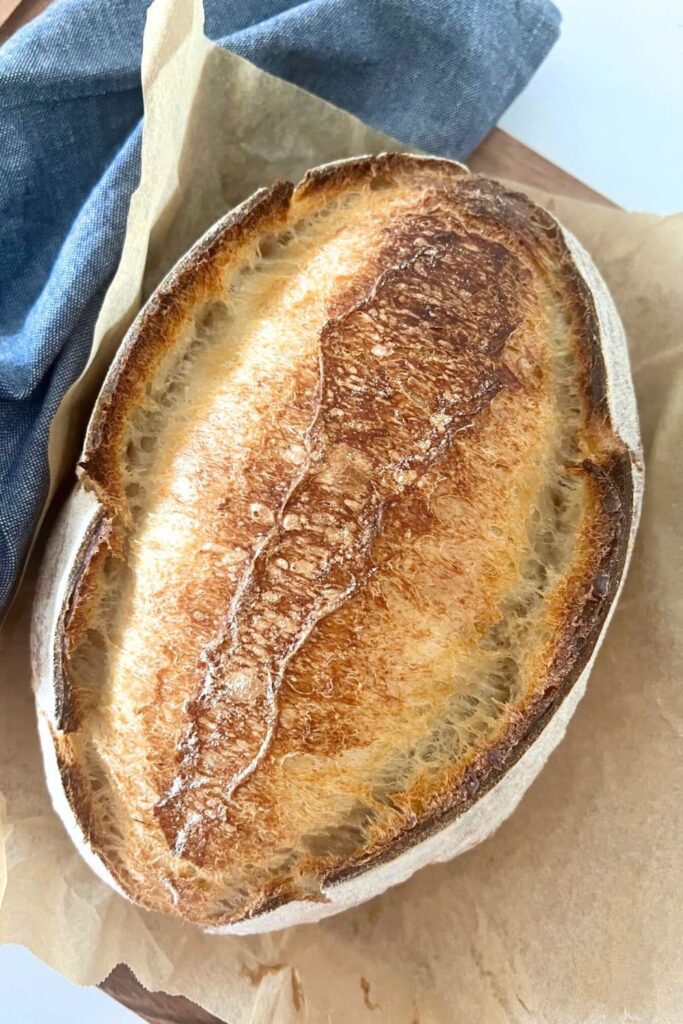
x=611, y=89
x=31, y=993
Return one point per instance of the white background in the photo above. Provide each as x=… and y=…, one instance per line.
x=607, y=106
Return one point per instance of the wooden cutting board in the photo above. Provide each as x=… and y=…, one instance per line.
x=499, y=155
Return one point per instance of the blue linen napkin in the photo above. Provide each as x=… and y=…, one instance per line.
x=433, y=73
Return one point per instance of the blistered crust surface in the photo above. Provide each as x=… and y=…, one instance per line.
x=363, y=517
x=430, y=357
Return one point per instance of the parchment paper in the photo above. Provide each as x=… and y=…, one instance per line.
x=573, y=912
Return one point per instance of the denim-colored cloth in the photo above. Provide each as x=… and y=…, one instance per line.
x=433, y=73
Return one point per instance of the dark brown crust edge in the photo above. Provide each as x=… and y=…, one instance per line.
x=147, y=341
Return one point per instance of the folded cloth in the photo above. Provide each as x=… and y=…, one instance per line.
x=434, y=73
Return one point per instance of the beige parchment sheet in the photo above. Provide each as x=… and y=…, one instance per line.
x=573, y=912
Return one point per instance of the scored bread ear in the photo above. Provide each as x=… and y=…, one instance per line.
x=65, y=549
x=73, y=529
x=84, y=522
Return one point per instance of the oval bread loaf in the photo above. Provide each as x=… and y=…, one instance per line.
x=356, y=501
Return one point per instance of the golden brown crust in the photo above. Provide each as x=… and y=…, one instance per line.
x=449, y=282
x=542, y=234
x=592, y=599
x=586, y=612
x=158, y=326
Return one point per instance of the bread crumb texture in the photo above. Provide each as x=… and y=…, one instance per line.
x=359, y=510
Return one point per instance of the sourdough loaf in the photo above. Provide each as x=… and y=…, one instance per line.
x=356, y=500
